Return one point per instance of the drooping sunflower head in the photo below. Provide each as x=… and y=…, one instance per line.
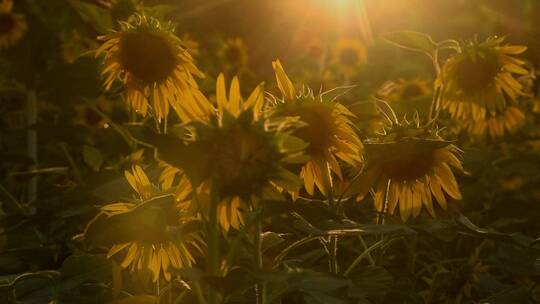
x=237, y=154
x=349, y=55
x=409, y=167
x=12, y=26
x=480, y=78
x=148, y=232
x=507, y=120
x=327, y=130
x=248, y=150
x=234, y=54
x=151, y=63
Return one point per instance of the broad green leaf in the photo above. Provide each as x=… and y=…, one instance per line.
x=412, y=40
x=92, y=157
x=99, y=18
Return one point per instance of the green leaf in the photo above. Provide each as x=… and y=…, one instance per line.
x=92, y=157
x=99, y=18
x=411, y=40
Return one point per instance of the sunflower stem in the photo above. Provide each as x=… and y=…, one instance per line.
x=213, y=244
x=333, y=239
x=260, y=288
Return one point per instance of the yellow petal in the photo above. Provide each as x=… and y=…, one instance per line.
x=284, y=83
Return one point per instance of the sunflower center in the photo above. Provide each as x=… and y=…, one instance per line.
x=245, y=160
x=147, y=56
x=6, y=23
x=349, y=56
x=411, y=91
x=233, y=54
x=410, y=168
x=318, y=129
x=475, y=74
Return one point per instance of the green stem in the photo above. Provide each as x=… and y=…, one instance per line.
x=213, y=244
x=362, y=256
x=199, y=293
x=260, y=288
x=333, y=239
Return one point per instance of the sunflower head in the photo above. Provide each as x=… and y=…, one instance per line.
x=234, y=54
x=349, y=55
x=480, y=78
x=327, y=130
x=407, y=96
x=152, y=64
x=409, y=167
x=247, y=149
x=237, y=154
x=147, y=233
x=12, y=26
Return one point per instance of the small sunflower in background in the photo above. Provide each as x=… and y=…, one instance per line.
x=406, y=90
x=152, y=224
x=408, y=96
x=234, y=56
x=236, y=154
x=480, y=80
x=12, y=26
x=409, y=167
x=349, y=55
x=368, y=120
x=507, y=120
x=151, y=62
x=328, y=131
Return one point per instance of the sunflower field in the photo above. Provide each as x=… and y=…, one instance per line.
x=269, y=151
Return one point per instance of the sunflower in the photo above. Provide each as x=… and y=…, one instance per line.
x=368, y=120
x=349, y=55
x=405, y=90
x=327, y=129
x=234, y=55
x=237, y=154
x=408, y=96
x=12, y=26
x=152, y=64
x=408, y=167
x=156, y=249
x=506, y=121
x=480, y=79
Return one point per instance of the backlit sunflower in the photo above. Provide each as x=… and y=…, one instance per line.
x=480, y=79
x=233, y=54
x=408, y=167
x=497, y=124
x=12, y=26
x=349, y=55
x=405, y=90
x=152, y=64
x=408, y=96
x=158, y=242
x=237, y=154
x=327, y=129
